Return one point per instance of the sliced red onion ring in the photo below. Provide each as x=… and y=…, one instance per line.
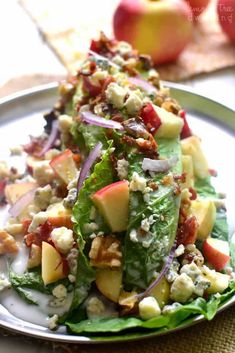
x=148, y=87
x=88, y=164
x=51, y=139
x=97, y=120
x=162, y=273
x=159, y=165
x=22, y=202
x=98, y=56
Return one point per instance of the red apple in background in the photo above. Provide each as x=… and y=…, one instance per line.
x=216, y=252
x=160, y=28
x=226, y=15
x=197, y=6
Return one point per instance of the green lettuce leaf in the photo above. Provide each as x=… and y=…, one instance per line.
x=141, y=262
x=101, y=176
x=171, y=320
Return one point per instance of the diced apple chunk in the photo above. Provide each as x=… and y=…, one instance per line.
x=205, y=213
x=52, y=264
x=59, y=216
x=187, y=165
x=192, y=146
x=64, y=166
x=171, y=124
x=161, y=292
x=109, y=283
x=219, y=282
x=112, y=202
x=14, y=191
x=216, y=252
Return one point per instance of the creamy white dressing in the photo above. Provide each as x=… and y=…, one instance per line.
x=36, y=314
x=19, y=264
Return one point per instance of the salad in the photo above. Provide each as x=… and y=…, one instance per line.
x=114, y=225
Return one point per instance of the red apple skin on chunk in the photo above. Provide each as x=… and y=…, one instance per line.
x=112, y=202
x=216, y=252
x=160, y=28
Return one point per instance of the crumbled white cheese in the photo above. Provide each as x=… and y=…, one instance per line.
x=192, y=270
x=149, y=308
x=98, y=110
x=62, y=237
x=90, y=227
x=72, y=260
x=53, y=322
x=4, y=283
x=60, y=291
x=98, y=76
x=134, y=102
x=65, y=123
x=133, y=236
x=73, y=183
x=43, y=196
x=16, y=150
x=43, y=173
x=38, y=219
x=122, y=168
x=95, y=308
x=72, y=278
x=124, y=48
x=180, y=250
x=200, y=285
x=182, y=288
x=172, y=273
x=33, y=210
x=169, y=309
x=117, y=59
x=115, y=95
x=138, y=183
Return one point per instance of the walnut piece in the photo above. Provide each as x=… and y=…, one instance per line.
x=105, y=252
x=7, y=243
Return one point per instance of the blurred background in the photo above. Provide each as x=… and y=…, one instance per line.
x=41, y=40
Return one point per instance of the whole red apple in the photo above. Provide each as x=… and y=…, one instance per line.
x=226, y=15
x=197, y=6
x=160, y=28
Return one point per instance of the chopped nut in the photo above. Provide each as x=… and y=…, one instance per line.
x=192, y=254
x=105, y=252
x=7, y=243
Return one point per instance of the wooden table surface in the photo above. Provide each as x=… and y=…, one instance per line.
x=25, y=54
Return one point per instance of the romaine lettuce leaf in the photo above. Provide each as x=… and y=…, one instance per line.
x=171, y=320
x=100, y=177
x=142, y=262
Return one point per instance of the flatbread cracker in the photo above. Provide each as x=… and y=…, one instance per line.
x=69, y=25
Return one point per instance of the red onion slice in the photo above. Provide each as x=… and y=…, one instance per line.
x=159, y=165
x=51, y=139
x=88, y=164
x=145, y=85
x=162, y=273
x=97, y=120
x=22, y=202
x=98, y=56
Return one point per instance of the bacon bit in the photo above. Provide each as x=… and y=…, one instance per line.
x=193, y=193
x=186, y=132
x=34, y=146
x=128, y=140
x=103, y=46
x=181, y=178
x=91, y=89
x=3, y=184
x=77, y=158
x=150, y=118
x=187, y=231
x=42, y=233
x=65, y=266
x=213, y=172
x=26, y=223
x=177, y=190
